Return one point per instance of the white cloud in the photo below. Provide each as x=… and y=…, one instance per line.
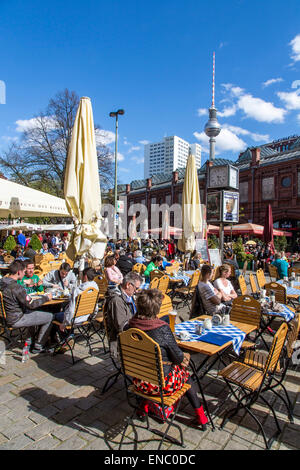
x=295, y=44
x=240, y=131
x=272, y=81
x=144, y=142
x=260, y=110
x=227, y=112
x=138, y=160
x=225, y=142
x=28, y=124
x=134, y=148
x=202, y=112
x=290, y=99
x=104, y=137
x=9, y=139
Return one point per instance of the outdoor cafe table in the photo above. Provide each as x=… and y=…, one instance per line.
x=235, y=334
x=268, y=316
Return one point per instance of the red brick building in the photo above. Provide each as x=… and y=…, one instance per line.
x=269, y=174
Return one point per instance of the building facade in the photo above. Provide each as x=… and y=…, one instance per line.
x=168, y=155
x=269, y=174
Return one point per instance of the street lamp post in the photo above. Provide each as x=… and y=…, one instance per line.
x=116, y=114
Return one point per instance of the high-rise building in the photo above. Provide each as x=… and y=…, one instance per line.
x=168, y=155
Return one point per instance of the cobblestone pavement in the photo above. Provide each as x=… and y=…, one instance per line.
x=47, y=403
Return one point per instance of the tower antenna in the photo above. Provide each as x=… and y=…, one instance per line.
x=213, y=83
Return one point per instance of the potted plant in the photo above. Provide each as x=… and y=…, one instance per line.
x=241, y=255
x=10, y=244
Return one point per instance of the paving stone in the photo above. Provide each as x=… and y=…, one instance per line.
x=46, y=443
x=291, y=436
x=74, y=443
x=67, y=415
x=64, y=432
x=41, y=430
x=7, y=379
x=16, y=444
x=236, y=444
x=17, y=428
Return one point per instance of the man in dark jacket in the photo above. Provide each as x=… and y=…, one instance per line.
x=21, y=309
x=125, y=263
x=119, y=307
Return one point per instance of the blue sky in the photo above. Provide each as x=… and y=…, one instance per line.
x=154, y=59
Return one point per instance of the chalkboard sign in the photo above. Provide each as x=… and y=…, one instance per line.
x=202, y=247
x=215, y=257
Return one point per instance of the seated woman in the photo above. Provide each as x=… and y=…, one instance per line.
x=175, y=361
x=195, y=262
x=223, y=284
x=156, y=263
x=112, y=273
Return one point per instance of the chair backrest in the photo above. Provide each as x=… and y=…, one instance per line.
x=194, y=280
x=279, y=290
x=245, y=309
x=139, y=268
x=253, y=284
x=154, y=283
x=102, y=284
x=216, y=273
x=276, y=348
x=294, y=270
x=38, y=259
x=156, y=273
x=294, y=327
x=243, y=285
x=141, y=357
x=86, y=303
x=48, y=257
x=2, y=310
x=163, y=283
x=261, y=280
x=166, y=307
x=273, y=272
x=8, y=259
x=45, y=266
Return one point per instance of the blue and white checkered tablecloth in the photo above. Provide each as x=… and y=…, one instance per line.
x=181, y=277
x=288, y=314
x=145, y=286
x=237, y=336
x=296, y=284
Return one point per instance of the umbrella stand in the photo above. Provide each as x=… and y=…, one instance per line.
x=221, y=240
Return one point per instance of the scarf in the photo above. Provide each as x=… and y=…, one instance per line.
x=146, y=324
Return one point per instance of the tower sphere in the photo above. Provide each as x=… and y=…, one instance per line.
x=212, y=127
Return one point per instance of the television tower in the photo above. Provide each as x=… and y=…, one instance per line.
x=212, y=128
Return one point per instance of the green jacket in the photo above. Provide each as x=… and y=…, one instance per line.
x=35, y=278
x=151, y=266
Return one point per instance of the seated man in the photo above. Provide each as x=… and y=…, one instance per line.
x=62, y=277
x=211, y=297
x=281, y=265
x=31, y=282
x=21, y=309
x=138, y=257
x=125, y=263
x=119, y=307
x=29, y=253
x=44, y=250
x=65, y=318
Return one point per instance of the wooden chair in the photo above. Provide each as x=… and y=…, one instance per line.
x=166, y=307
x=243, y=285
x=8, y=259
x=273, y=272
x=139, y=268
x=253, y=284
x=98, y=327
x=141, y=358
x=102, y=284
x=38, y=259
x=261, y=280
x=279, y=290
x=186, y=293
x=247, y=310
x=7, y=332
x=258, y=359
x=154, y=283
x=216, y=273
x=85, y=305
x=248, y=384
x=293, y=270
x=49, y=257
x=163, y=284
x=156, y=273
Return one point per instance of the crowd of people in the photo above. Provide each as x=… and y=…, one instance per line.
x=126, y=305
